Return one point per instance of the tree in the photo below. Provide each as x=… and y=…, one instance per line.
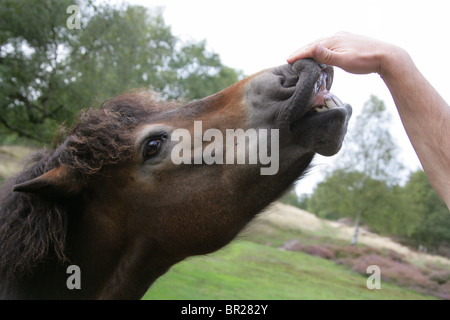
x=291, y=198
x=362, y=184
x=370, y=147
x=354, y=195
x=30, y=73
x=373, y=155
x=433, y=217
x=49, y=72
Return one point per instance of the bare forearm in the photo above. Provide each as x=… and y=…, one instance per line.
x=425, y=116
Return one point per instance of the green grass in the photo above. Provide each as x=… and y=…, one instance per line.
x=248, y=270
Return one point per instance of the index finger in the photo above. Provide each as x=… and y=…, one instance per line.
x=304, y=52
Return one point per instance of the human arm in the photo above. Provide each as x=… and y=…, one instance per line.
x=424, y=113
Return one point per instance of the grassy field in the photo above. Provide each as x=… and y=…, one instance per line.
x=259, y=265
x=249, y=270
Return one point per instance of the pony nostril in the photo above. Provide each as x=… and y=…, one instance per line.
x=287, y=76
x=289, y=81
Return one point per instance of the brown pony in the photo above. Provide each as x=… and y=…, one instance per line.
x=136, y=186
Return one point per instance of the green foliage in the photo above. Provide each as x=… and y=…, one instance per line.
x=30, y=35
x=291, y=198
x=49, y=72
x=197, y=73
x=385, y=208
x=433, y=225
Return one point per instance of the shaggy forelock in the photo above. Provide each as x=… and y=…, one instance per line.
x=104, y=136
x=32, y=227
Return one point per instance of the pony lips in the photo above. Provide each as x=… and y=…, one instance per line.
x=323, y=100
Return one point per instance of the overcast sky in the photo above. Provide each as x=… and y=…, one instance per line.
x=252, y=35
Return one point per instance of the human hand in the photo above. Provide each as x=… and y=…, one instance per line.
x=350, y=52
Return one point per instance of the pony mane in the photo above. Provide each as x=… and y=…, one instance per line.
x=29, y=225
x=33, y=228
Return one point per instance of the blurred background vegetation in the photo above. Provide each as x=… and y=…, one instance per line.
x=49, y=72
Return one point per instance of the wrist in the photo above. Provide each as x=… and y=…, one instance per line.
x=394, y=62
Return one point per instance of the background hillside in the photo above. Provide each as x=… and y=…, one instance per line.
x=288, y=253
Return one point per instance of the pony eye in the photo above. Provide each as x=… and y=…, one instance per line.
x=152, y=147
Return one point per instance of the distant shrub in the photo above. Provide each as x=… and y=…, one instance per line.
x=440, y=277
x=319, y=251
x=393, y=271
x=346, y=252
x=312, y=249
x=431, y=279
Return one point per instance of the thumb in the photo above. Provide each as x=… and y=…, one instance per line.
x=322, y=54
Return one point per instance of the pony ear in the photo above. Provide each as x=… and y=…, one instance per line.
x=60, y=181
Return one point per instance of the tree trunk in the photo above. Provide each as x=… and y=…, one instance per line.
x=355, y=235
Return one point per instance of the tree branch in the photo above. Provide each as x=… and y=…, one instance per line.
x=21, y=132
x=29, y=106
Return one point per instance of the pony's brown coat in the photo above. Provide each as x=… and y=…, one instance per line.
x=95, y=202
